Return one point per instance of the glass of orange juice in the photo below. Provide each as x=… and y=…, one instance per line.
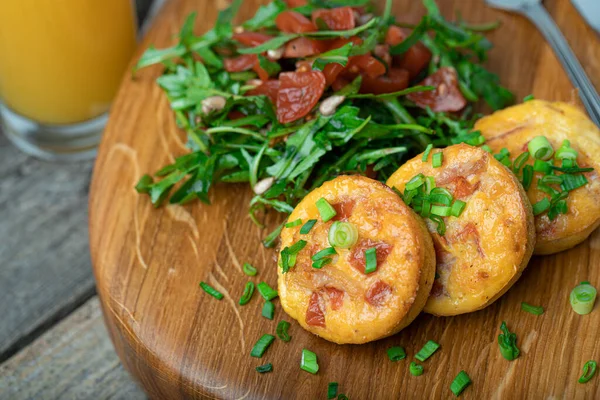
x=61, y=62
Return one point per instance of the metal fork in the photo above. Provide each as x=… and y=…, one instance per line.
x=537, y=14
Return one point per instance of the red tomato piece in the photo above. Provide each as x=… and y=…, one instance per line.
x=269, y=88
x=357, y=257
x=315, y=316
x=339, y=42
x=262, y=74
x=251, y=39
x=294, y=22
x=367, y=64
x=336, y=297
x=394, y=81
x=383, y=52
x=241, y=63
x=296, y=3
x=331, y=72
x=339, y=83
x=416, y=57
x=298, y=93
x=395, y=35
x=343, y=210
x=337, y=19
x=378, y=293
x=446, y=97
x=304, y=47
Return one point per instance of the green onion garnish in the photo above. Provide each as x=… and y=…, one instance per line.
x=529, y=97
x=442, y=211
x=307, y=226
x=542, y=166
x=212, y=291
x=343, y=234
x=144, y=184
x=460, y=383
x=541, y=206
x=249, y=269
x=268, y=310
x=321, y=263
x=324, y=253
x=457, y=208
x=342, y=396
x=520, y=161
x=437, y=159
x=589, y=370
x=265, y=368
x=370, y=260
x=441, y=225
x=532, y=309
x=396, y=353
x=282, y=331
x=296, y=247
x=486, y=148
x=294, y=223
x=527, y=176
x=308, y=362
x=332, y=390
x=425, y=154
x=582, y=298
x=415, y=369
x=415, y=182
x=326, y=210
x=427, y=351
x=508, y=343
x=551, y=180
x=262, y=345
x=247, y=295
x=266, y=291
x=572, y=182
x=566, y=152
x=540, y=148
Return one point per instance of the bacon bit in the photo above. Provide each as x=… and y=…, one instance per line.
x=378, y=293
x=482, y=274
x=343, y=210
x=458, y=173
x=444, y=258
x=446, y=96
x=370, y=172
x=462, y=187
x=468, y=232
x=315, y=316
x=437, y=289
x=336, y=297
x=357, y=257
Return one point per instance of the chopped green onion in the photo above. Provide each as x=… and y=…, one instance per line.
x=426, y=208
x=265, y=368
x=441, y=199
x=520, y=161
x=572, y=182
x=437, y=159
x=540, y=148
x=442, y=211
x=542, y=166
x=415, y=369
x=326, y=210
x=321, y=263
x=296, y=247
x=144, y=184
x=527, y=98
x=551, y=179
x=287, y=261
x=308, y=362
x=589, y=370
x=415, y=182
x=425, y=154
x=559, y=207
x=324, y=253
x=343, y=234
x=566, y=152
x=282, y=331
x=568, y=163
x=441, y=225
x=370, y=260
x=294, y=223
x=532, y=309
x=457, y=208
x=249, y=269
x=541, y=206
x=268, y=310
x=262, y=345
x=332, y=390
x=342, y=396
x=247, y=295
x=266, y=291
x=396, y=353
x=427, y=350
x=429, y=184
x=212, y=291
x=487, y=148
x=570, y=170
x=307, y=226
x=582, y=298
x=527, y=176
x=508, y=343
x=460, y=383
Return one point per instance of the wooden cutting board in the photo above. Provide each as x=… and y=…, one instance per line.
x=179, y=342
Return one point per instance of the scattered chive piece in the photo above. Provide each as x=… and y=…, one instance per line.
x=551, y=179
x=540, y=148
x=416, y=182
x=542, y=166
x=249, y=269
x=282, y=331
x=342, y=396
x=268, y=310
x=589, y=370
x=247, y=295
x=427, y=350
x=528, y=98
x=415, y=369
x=520, y=161
x=396, y=353
x=370, y=260
x=321, y=263
x=508, y=343
x=266, y=291
x=541, y=206
x=532, y=309
x=437, y=159
x=324, y=253
x=441, y=225
x=457, y=208
x=325, y=209
x=265, y=368
x=572, y=182
x=486, y=148
x=296, y=247
x=566, y=152
x=527, y=176
x=308, y=362
x=143, y=185
x=442, y=211
x=343, y=234
x=425, y=154
x=212, y=291
x=332, y=390
x=294, y=223
x=262, y=345
x=582, y=298
x=307, y=226
x=460, y=383
x=429, y=184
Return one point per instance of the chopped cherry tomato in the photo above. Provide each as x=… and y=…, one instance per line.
x=296, y=3
x=337, y=19
x=357, y=257
x=343, y=210
x=394, y=81
x=251, y=39
x=446, y=96
x=269, y=88
x=331, y=71
x=378, y=293
x=294, y=22
x=262, y=74
x=336, y=297
x=304, y=47
x=298, y=93
x=315, y=316
x=395, y=35
x=367, y=64
x=383, y=52
x=340, y=83
x=241, y=63
x=415, y=59
x=339, y=42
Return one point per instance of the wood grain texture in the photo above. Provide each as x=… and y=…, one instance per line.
x=181, y=343
x=73, y=360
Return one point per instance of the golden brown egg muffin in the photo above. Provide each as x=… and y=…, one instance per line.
x=485, y=249
x=513, y=128
x=340, y=302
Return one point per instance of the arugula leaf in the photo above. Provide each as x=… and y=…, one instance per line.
x=272, y=44
x=271, y=67
x=338, y=56
x=411, y=89
x=339, y=3
x=412, y=38
x=265, y=16
x=154, y=56
x=346, y=34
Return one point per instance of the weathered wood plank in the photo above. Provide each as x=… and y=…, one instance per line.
x=73, y=360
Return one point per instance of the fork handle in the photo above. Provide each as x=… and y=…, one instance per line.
x=588, y=94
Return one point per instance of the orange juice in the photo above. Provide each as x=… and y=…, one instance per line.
x=61, y=61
